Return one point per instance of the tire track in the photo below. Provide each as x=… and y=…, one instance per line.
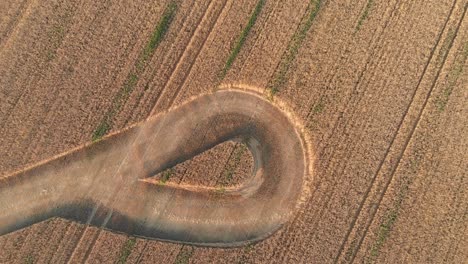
x=34, y=149
x=262, y=21
x=28, y=231
x=47, y=258
x=407, y=139
x=283, y=233
x=437, y=123
x=353, y=112
x=360, y=138
x=172, y=81
x=320, y=180
x=135, y=115
x=131, y=46
x=344, y=60
x=95, y=237
x=207, y=16
x=142, y=251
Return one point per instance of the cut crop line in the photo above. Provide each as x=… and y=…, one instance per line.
x=22, y=10
x=48, y=259
x=379, y=168
x=242, y=38
x=260, y=30
x=361, y=75
x=291, y=51
x=90, y=246
x=413, y=126
x=34, y=79
x=182, y=56
x=142, y=251
x=185, y=53
x=142, y=99
x=189, y=70
x=376, y=38
x=365, y=14
x=346, y=125
x=123, y=94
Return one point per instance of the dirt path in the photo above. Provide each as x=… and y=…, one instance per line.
x=99, y=185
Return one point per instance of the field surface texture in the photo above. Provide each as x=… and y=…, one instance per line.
x=378, y=89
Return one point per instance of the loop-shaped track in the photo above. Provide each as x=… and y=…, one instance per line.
x=106, y=183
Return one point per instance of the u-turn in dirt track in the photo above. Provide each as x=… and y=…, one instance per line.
x=106, y=184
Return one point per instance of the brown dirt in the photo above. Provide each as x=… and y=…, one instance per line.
x=384, y=147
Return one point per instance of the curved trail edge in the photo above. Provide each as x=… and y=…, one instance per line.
x=108, y=183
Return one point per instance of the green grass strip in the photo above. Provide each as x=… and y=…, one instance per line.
x=365, y=14
x=242, y=38
x=126, y=250
x=132, y=79
x=291, y=52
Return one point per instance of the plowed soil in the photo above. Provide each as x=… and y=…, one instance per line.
x=381, y=86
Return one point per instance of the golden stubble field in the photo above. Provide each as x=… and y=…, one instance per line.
x=380, y=86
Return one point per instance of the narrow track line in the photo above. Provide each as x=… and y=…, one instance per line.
x=413, y=127
x=387, y=80
x=376, y=38
x=69, y=255
x=353, y=113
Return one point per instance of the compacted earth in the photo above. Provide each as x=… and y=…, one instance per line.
x=380, y=87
